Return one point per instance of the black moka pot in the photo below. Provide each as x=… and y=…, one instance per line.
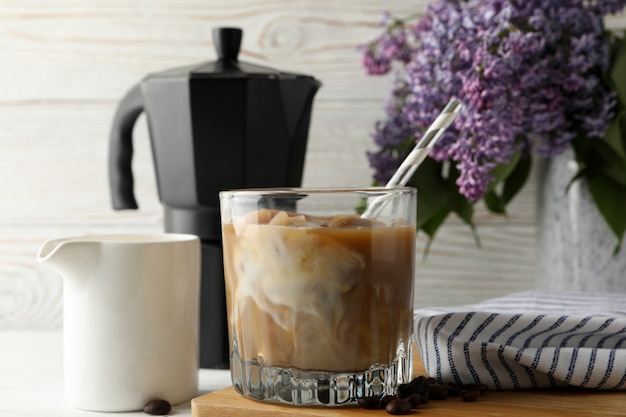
x=213, y=126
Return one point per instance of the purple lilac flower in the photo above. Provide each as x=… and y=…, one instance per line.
x=390, y=46
x=528, y=73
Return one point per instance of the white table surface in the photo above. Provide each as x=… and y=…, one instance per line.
x=31, y=378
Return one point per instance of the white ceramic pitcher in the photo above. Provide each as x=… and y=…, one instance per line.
x=130, y=318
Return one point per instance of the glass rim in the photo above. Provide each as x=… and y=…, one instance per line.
x=290, y=191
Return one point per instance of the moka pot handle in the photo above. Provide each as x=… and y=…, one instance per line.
x=121, y=150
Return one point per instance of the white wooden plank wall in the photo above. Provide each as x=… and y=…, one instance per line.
x=64, y=64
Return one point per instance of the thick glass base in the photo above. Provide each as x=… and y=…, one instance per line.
x=314, y=388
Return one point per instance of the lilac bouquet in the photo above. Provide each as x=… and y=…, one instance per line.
x=534, y=77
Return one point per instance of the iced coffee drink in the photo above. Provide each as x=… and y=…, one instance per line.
x=315, y=300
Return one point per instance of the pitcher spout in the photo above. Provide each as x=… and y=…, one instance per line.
x=69, y=257
x=48, y=249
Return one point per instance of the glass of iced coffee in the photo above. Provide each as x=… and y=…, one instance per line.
x=319, y=292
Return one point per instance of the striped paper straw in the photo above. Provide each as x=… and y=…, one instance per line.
x=425, y=144
x=413, y=160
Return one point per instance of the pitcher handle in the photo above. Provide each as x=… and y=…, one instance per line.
x=121, y=150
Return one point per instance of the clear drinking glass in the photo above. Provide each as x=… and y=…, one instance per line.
x=319, y=297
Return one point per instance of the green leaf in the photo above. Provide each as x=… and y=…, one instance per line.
x=494, y=202
x=460, y=205
x=601, y=159
x=431, y=226
x=433, y=193
x=501, y=171
x=614, y=136
x=437, y=197
x=516, y=179
x=463, y=208
x=582, y=172
x=513, y=176
x=610, y=198
x=618, y=67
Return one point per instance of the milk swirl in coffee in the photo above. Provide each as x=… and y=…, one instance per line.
x=318, y=293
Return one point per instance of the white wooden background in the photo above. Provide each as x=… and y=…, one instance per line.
x=64, y=64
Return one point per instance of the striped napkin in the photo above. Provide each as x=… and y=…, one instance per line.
x=533, y=339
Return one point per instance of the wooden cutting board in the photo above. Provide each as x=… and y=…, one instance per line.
x=527, y=403
x=546, y=403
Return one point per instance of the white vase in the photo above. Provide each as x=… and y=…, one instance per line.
x=574, y=243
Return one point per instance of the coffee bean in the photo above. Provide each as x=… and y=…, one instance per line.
x=437, y=391
x=157, y=407
x=386, y=400
x=481, y=387
x=398, y=407
x=470, y=395
x=405, y=390
x=418, y=391
x=417, y=381
x=369, y=403
x=415, y=400
x=453, y=389
x=425, y=394
x=419, y=386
